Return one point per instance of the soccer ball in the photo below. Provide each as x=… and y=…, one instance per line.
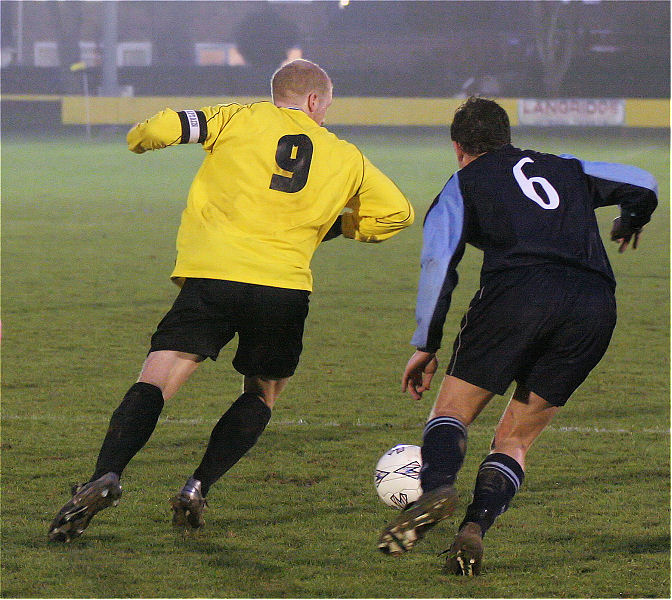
x=397, y=477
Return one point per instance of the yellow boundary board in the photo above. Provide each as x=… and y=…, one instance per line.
x=344, y=111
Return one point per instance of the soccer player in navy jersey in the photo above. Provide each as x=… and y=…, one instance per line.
x=543, y=316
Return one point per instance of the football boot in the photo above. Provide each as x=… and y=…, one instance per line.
x=416, y=519
x=87, y=500
x=189, y=505
x=466, y=553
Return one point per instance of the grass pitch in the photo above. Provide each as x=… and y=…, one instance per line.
x=88, y=244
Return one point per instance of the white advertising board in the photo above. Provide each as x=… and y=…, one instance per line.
x=572, y=111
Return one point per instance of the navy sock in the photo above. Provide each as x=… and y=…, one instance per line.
x=234, y=434
x=499, y=478
x=131, y=425
x=444, y=444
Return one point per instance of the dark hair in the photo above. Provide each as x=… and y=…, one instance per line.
x=480, y=125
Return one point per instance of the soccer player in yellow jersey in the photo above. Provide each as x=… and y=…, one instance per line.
x=273, y=185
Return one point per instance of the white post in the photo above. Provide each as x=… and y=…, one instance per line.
x=74, y=68
x=87, y=111
x=19, y=33
x=110, y=84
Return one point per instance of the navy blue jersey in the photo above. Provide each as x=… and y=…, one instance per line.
x=523, y=209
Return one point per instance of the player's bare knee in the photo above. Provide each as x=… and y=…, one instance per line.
x=267, y=389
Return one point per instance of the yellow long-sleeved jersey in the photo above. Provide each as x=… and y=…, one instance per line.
x=271, y=185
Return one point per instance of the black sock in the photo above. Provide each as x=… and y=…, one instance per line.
x=444, y=444
x=131, y=425
x=235, y=433
x=498, y=479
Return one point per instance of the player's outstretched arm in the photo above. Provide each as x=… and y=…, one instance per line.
x=161, y=130
x=171, y=128
x=419, y=372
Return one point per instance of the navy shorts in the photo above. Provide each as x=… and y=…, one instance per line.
x=544, y=327
x=269, y=321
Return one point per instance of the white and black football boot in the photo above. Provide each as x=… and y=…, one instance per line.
x=416, y=519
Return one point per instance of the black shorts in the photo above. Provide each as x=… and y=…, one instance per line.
x=544, y=327
x=269, y=321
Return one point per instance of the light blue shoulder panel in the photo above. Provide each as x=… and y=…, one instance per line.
x=618, y=172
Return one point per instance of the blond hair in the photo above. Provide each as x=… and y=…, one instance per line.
x=297, y=79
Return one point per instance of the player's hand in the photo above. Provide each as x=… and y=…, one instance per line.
x=418, y=374
x=623, y=235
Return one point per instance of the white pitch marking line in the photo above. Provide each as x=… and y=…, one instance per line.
x=358, y=423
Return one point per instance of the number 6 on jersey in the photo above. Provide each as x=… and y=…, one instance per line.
x=527, y=185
